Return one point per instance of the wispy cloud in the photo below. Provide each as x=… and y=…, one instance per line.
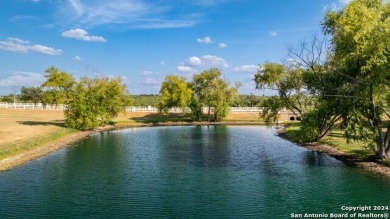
x=273, y=34
x=208, y=2
x=19, y=79
x=23, y=46
x=80, y=34
x=222, y=45
x=247, y=68
x=185, y=69
x=144, y=73
x=128, y=13
x=205, y=40
x=344, y=1
x=77, y=58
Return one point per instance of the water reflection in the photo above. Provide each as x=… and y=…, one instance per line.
x=180, y=172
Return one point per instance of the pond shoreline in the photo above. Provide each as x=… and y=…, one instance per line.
x=369, y=166
x=66, y=141
x=45, y=149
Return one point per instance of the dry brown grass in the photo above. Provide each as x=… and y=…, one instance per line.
x=243, y=116
x=24, y=129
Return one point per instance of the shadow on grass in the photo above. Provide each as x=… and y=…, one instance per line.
x=336, y=134
x=156, y=118
x=365, y=155
x=59, y=123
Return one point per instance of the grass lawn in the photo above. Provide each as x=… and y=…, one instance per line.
x=337, y=140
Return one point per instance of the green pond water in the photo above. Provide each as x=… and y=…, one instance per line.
x=186, y=172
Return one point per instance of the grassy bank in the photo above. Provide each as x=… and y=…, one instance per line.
x=22, y=130
x=337, y=140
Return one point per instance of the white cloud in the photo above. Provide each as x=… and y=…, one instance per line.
x=211, y=61
x=194, y=63
x=81, y=34
x=222, y=45
x=18, y=79
x=150, y=73
x=206, y=40
x=23, y=46
x=78, y=58
x=163, y=63
x=247, y=68
x=185, y=69
x=273, y=33
x=44, y=50
x=152, y=81
x=344, y=1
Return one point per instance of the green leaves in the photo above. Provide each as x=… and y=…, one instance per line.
x=361, y=40
x=174, y=92
x=56, y=86
x=94, y=102
x=205, y=89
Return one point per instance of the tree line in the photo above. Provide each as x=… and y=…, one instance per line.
x=340, y=81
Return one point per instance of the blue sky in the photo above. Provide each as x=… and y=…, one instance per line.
x=144, y=40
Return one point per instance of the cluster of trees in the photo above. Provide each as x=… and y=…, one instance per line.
x=340, y=81
x=90, y=102
x=207, y=89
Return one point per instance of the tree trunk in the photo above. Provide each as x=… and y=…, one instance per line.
x=377, y=125
x=208, y=115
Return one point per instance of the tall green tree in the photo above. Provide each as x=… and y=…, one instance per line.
x=211, y=91
x=174, y=92
x=94, y=102
x=360, y=35
x=56, y=86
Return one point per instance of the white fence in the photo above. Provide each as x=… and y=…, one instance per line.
x=31, y=106
x=129, y=109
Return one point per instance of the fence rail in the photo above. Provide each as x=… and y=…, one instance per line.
x=32, y=106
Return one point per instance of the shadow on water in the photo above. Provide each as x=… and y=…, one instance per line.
x=155, y=118
x=202, y=146
x=59, y=123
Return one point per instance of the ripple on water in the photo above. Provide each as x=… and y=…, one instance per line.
x=185, y=172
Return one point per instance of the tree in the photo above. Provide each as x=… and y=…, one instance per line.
x=33, y=94
x=272, y=107
x=56, y=86
x=94, y=102
x=174, y=92
x=287, y=81
x=213, y=92
x=222, y=96
x=361, y=45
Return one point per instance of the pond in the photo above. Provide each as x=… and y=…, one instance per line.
x=186, y=172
